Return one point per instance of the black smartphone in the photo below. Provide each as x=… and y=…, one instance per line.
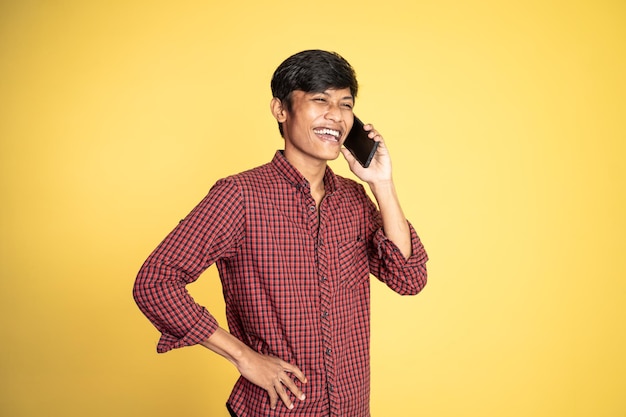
x=359, y=144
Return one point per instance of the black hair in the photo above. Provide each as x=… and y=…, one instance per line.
x=312, y=71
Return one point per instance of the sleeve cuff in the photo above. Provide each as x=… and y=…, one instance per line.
x=389, y=251
x=202, y=330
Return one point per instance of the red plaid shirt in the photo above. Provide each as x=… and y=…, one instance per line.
x=295, y=281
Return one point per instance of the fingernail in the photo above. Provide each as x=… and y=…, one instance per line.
x=302, y=397
x=291, y=406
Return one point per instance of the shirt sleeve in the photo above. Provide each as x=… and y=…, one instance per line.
x=404, y=276
x=214, y=229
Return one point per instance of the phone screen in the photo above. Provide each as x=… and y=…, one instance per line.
x=359, y=144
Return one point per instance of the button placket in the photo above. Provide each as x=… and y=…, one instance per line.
x=326, y=284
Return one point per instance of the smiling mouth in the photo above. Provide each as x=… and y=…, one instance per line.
x=328, y=134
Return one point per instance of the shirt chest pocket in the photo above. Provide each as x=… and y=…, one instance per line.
x=353, y=263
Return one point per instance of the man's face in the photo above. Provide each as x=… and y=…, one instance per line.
x=317, y=124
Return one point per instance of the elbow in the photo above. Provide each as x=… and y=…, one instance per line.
x=139, y=292
x=418, y=282
x=143, y=292
x=422, y=283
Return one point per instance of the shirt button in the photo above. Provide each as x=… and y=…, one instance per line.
x=323, y=279
x=312, y=208
x=331, y=388
x=329, y=351
x=325, y=314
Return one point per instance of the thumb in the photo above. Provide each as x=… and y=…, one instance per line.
x=348, y=155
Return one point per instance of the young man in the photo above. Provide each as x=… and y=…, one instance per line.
x=294, y=245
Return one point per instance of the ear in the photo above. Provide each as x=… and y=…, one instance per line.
x=279, y=112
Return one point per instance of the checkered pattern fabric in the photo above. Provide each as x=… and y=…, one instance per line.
x=295, y=282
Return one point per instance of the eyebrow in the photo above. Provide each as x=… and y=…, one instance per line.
x=350, y=97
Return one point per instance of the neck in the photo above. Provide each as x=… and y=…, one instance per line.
x=312, y=170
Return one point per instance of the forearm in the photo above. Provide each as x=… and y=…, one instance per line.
x=395, y=225
x=225, y=344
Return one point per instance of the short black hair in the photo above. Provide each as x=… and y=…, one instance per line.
x=310, y=71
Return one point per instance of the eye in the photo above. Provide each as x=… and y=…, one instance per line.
x=347, y=105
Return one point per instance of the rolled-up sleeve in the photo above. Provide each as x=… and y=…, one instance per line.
x=213, y=229
x=404, y=276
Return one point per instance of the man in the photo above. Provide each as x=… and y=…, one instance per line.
x=294, y=245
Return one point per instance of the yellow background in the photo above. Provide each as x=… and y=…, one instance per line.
x=506, y=122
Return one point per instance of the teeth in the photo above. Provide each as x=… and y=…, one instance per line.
x=325, y=131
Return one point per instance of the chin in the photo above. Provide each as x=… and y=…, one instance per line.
x=331, y=156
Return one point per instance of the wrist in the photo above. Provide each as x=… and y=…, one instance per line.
x=382, y=186
x=241, y=355
x=228, y=346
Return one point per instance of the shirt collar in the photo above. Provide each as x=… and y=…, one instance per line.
x=295, y=178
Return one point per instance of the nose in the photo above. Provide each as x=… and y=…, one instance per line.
x=334, y=113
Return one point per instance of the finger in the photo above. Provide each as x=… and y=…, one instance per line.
x=374, y=135
x=273, y=398
x=288, y=382
x=348, y=155
x=294, y=369
x=371, y=132
x=284, y=396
